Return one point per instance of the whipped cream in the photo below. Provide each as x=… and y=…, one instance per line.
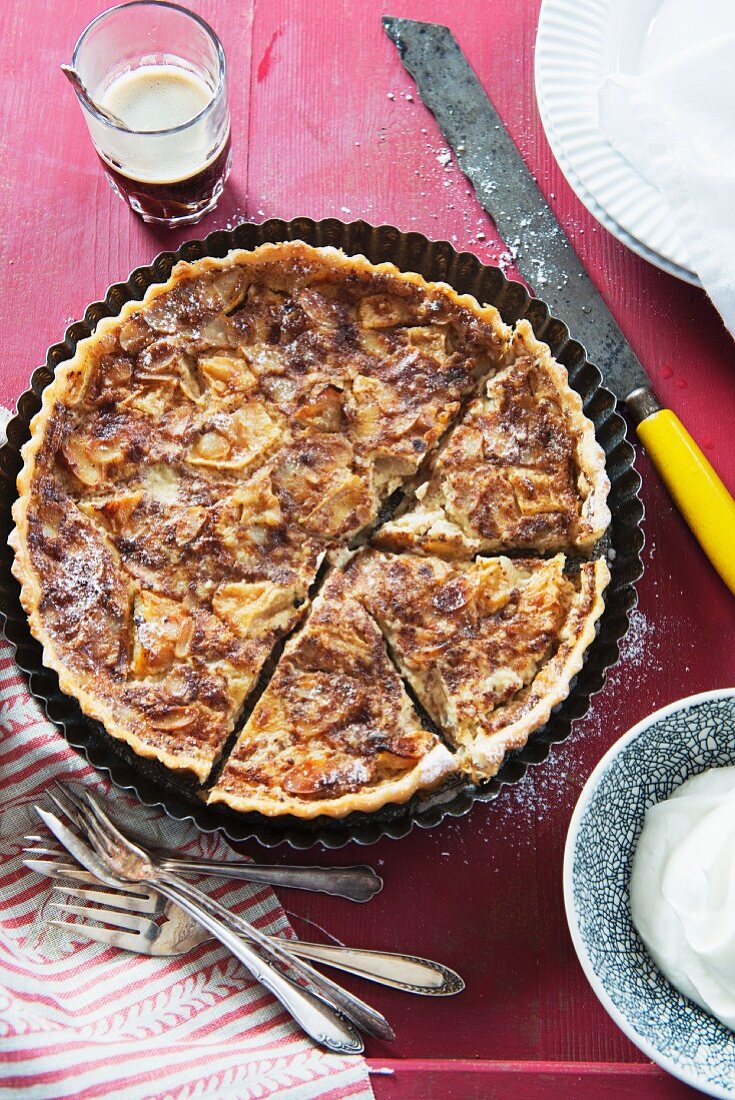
x=682, y=890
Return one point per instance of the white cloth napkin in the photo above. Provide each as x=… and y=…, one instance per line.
x=676, y=125
x=81, y=1020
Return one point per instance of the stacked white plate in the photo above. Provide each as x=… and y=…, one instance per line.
x=579, y=44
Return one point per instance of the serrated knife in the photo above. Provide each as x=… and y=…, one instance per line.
x=508, y=192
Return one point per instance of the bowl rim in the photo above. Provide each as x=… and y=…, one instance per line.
x=583, y=802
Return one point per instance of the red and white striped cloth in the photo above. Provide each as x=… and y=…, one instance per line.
x=78, y=1019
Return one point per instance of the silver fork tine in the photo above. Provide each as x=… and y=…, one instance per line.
x=47, y=852
x=115, y=917
x=100, y=837
x=52, y=864
x=149, y=904
x=79, y=814
x=67, y=802
x=128, y=941
x=51, y=869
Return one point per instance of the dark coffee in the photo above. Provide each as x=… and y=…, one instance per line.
x=179, y=199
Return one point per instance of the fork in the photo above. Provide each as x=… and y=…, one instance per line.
x=316, y=1016
x=357, y=883
x=178, y=935
x=114, y=859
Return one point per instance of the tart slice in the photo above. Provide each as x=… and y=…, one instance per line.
x=335, y=730
x=489, y=647
x=521, y=471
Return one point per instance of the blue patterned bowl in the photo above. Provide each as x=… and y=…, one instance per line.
x=642, y=768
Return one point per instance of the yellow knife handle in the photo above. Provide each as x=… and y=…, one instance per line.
x=699, y=494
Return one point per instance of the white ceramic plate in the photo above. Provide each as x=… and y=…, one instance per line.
x=579, y=44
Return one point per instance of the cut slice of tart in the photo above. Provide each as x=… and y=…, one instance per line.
x=334, y=730
x=522, y=470
x=489, y=647
x=158, y=604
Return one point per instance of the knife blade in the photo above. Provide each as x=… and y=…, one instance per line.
x=546, y=259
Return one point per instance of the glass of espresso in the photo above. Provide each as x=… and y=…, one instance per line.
x=160, y=70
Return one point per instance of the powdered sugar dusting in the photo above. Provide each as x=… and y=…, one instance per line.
x=638, y=648
x=436, y=764
x=539, y=792
x=5, y=416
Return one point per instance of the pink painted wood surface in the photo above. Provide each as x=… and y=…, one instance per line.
x=326, y=123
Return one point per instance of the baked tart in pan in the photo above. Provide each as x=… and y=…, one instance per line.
x=198, y=470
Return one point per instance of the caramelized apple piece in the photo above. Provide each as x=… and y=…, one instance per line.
x=238, y=439
x=320, y=775
x=252, y=609
x=384, y=311
x=323, y=410
x=163, y=632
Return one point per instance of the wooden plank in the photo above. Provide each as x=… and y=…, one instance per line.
x=326, y=123
x=416, y=1079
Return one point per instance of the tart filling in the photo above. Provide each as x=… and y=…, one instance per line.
x=489, y=647
x=335, y=730
x=522, y=470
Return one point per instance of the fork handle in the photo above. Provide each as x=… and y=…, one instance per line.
x=358, y=883
x=356, y=1010
x=407, y=972
x=317, y=1018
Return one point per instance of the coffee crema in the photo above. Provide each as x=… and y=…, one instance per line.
x=172, y=171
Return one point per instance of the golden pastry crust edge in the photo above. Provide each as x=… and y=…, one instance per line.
x=431, y=770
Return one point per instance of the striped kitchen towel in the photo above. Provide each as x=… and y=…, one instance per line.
x=78, y=1019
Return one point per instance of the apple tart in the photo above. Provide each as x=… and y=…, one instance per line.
x=206, y=456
